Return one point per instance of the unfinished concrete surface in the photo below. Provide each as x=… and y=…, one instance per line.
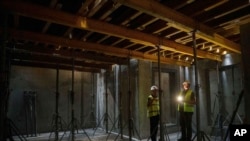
x=101, y=100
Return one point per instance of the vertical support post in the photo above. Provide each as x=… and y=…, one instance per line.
x=196, y=87
x=219, y=115
x=120, y=102
x=82, y=105
x=57, y=97
x=93, y=99
x=72, y=102
x=129, y=103
x=106, y=96
x=34, y=113
x=160, y=95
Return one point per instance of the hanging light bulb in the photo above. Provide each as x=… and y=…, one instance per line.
x=217, y=50
x=203, y=46
x=224, y=52
x=210, y=48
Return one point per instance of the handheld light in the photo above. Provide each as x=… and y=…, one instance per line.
x=179, y=98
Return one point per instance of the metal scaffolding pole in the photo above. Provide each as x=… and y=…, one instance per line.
x=119, y=118
x=196, y=87
x=129, y=104
x=105, y=116
x=160, y=95
x=106, y=104
x=57, y=120
x=82, y=100
x=72, y=102
x=74, y=121
x=57, y=97
x=120, y=103
x=131, y=125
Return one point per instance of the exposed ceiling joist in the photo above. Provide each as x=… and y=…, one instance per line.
x=78, y=55
x=55, y=59
x=53, y=66
x=60, y=41
x=181, y=22
x=63, y=18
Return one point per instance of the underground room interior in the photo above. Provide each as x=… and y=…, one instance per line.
x=82, y=70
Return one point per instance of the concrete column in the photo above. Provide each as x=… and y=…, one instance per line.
x=245, y=49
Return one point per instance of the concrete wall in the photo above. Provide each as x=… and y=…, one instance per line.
x=145, y=77
x=43, y=83
x=220, y=84
x=124, y=91
x=232, y=86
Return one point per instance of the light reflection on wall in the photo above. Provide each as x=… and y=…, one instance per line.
x=230, y=59
x=224, y=77
x=186, y=71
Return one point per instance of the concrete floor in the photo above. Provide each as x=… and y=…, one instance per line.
x=100, y=135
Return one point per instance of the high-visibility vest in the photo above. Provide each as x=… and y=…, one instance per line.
x=154, y=109
x=187, y=107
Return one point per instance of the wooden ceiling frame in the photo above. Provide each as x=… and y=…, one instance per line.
x=76, y=44
x=88, y=57
x=56, y=59
x=53, y=66
x=66, y=19
x=181, y=22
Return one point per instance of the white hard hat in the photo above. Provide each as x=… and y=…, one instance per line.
x=186, y=82
x=154, y=88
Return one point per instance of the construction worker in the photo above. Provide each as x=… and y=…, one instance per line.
x=153, y=112
x=186, y=102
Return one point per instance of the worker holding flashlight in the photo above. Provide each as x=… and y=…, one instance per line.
x=186, y=101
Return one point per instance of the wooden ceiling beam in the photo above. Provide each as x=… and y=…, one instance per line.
x=78, y=55
x=181, y=22
x=67, y=19
x=53, y=66
x=76, y=44
x=58, y=60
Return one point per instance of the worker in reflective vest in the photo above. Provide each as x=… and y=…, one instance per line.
x=186, y=101
x=153, y=112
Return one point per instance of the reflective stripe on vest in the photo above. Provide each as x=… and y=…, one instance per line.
x=154, y=109
x=187, y=107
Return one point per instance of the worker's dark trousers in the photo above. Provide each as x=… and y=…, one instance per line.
x=154, y=127
x=186, y=125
